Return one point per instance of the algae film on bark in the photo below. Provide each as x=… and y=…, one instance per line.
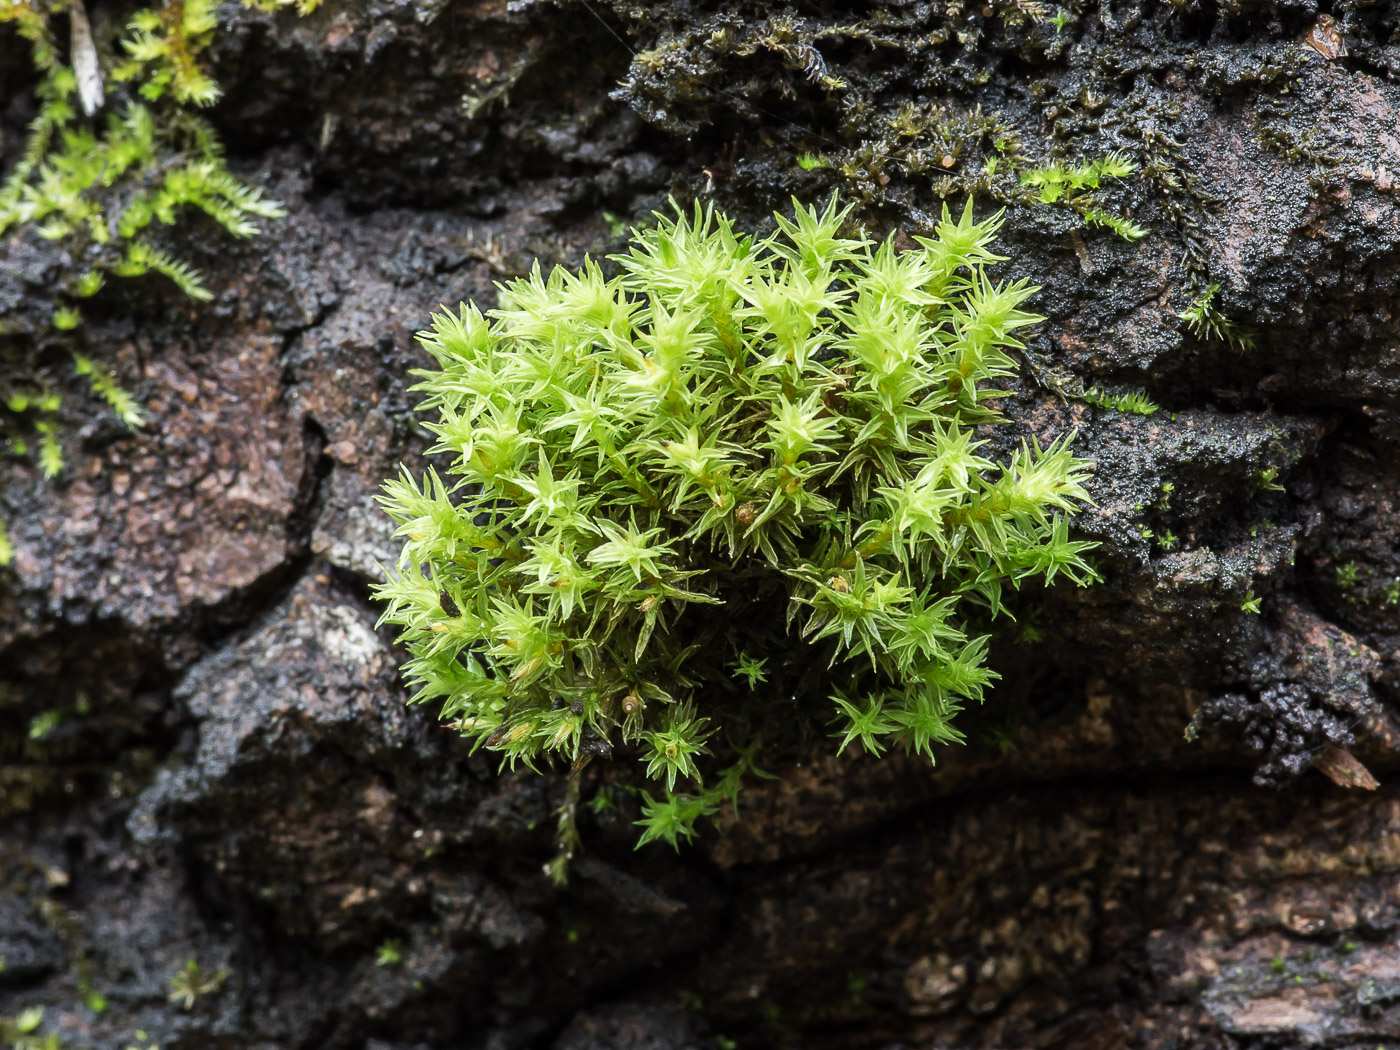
x=733, y=488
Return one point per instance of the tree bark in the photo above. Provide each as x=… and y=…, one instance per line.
x=235, y=779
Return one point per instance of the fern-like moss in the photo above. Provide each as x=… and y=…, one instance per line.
x=103, y=385
x=102, y=185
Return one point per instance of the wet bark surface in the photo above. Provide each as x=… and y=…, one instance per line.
x=218, y=815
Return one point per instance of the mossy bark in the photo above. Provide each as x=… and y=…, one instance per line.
x=228, y=773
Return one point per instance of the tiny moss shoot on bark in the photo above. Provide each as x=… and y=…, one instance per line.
x=734, y=486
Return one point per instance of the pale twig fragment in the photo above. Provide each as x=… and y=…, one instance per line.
x=1344, y=769
x=84, y=54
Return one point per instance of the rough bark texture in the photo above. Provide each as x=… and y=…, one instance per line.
x=236, y=779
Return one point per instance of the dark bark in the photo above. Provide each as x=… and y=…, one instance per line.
x=237, y=780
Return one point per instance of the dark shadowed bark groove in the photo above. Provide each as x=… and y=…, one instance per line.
x=235, y=779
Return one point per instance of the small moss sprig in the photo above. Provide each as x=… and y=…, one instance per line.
x=1205, y=320
x=1131, y=402
x=104, y=386
x=644, y=477
x=1077, y=183
x=1055, y=180
x=192, y=983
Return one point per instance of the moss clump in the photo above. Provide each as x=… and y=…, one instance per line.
x=740, y=475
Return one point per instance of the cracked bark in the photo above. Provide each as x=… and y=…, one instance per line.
x=236, y=780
